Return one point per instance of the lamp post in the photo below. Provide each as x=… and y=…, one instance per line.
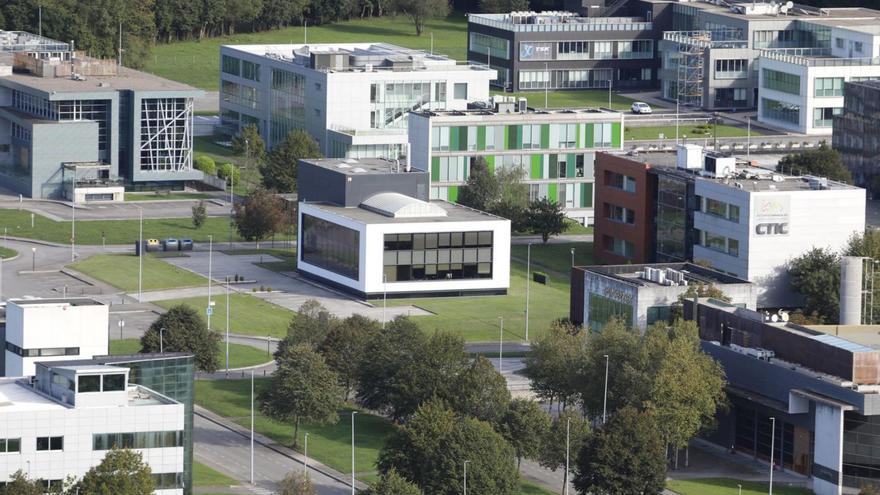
x=384, y=298
x=306, y=456
x=210, y=270
x=567, y=453
x=140, y=251
x=352, y=451
x=609, y=91
x=252, y=427
x=605, y=399
x=227, y=327
x=572, y=257
x=161, y=340
x=121, y=325
x=33, y=259
x=772, y=448
x=528, y=284
x=465, y=476
x=500, y=342
x=748, y=138
x=73, y=220
x=740, y=488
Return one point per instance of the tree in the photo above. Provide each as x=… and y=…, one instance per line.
x=344, y=347
x=480, y=392
x=181, y=329
x=816, y=276
x=280, y=168
x=122, y=472
x=199, y=215
x=482, y=190
x=206, y=164
x=19, y=484
x=431, y=447
x=545, y=217
x=249, y=144
x=571, y=426
x=698, y=290
x=391, y=483
x=554, y=362
x=421, y=10
x=260, y=215
x=310, y=325
x=822, y=161
x=296, y=483
x=625, y=457
x=230, y=173
x=524, y=426
x=301, y=388
x=503, y=6
x=513, y=212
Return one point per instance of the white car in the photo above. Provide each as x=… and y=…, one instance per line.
x=640, y=108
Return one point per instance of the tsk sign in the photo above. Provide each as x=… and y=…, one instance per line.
x=771, y=229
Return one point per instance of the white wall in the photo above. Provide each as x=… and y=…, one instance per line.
x=828, y=451
x=420, y=142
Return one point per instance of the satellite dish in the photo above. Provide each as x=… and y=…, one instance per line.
x=789, y=5
x=774, y=318
x=784, y=316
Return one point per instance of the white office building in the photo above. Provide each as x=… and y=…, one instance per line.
x=64, y=421
x=53, y=329
x=353, y=98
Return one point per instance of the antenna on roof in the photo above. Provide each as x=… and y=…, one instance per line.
x=40, y=21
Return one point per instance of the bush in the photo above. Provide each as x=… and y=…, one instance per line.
x=227, y=170
x=541, y=278
x=205, y=164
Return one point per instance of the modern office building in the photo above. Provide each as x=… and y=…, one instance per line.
x=64, y=420
x=353, y=99
x=811, y=397
x=788, y=60
x=857, y=131
x=56, y=329
x=552, y=150
x=641, y=295
x=366, y=227
x=745, y=221
x=561, y=50
x=66, y=118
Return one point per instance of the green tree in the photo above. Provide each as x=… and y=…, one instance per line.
x=260, y=215
x=420, y=11
x=503, y=6
x=482, y=190
x=479, y=391
x=230, y=173
x=343, y=347
x=816, y=276
x=698, y=289
x=199, y=215
x=553, y=363
x=310, y=325
x=296, y=483
x=511, y=189
x=181, y=329
x=431, y=447
x=822, y=161
x=545, y=217
x=280, y=167
x=515, y=213
x=570, y=426
x=524, y=426
x=625, y=457
x=250, y=145
x=206, y=164
x=391, y=483
x=122, y=472
x=19, y=484
x=302, y=388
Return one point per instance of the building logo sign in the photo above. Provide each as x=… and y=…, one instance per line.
x=771, y=215
x=618, y=295
x=535, y=51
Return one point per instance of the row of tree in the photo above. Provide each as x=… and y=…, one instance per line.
x=121, y=472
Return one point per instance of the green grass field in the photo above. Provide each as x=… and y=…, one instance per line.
x=240, y=356
x=727, y=486
x=653, y=132
x=556, y=258
x=205, y=476
x=165, y=196
x=198, y=62
x=248, y=315
x=578, y=98
x=7, y=252
x=18, y=223
x=575, y=228
x=121, y=270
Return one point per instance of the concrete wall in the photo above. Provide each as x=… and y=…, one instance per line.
x=54, y=143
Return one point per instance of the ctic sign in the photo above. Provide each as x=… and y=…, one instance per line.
x=771, y=214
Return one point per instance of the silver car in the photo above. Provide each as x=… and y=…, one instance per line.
x=641, y=108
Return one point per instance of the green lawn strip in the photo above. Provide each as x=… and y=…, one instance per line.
x=248, y=315
x=573, y=98
x=476, y=318
x=197, y=62
x=529, y=488
x=18, y=223
x=7, y=252
x=205, y=476
x=329, y=444
x=653, y=132
x=165, y=196
x=240, y=356
x=728, y=486
x=121, y=270
x=555, y=257
x=575, y=228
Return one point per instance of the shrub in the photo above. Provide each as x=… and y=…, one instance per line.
x=205, y=164
x=227, y=170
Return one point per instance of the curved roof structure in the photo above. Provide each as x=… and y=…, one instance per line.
x=396, y=205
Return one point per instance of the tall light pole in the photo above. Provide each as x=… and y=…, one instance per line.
x=252, y=427
x=572, y=257
x=465, y=476
x=210, y=270
x=227, y=327
x=546, y=86
x=500, y=342
x=33, y=259
x=306, y=456
x=528, y=284
x=231, y=206
x=772, y=448
x=611, y=76
x=352, y=451
x=161, y=340
x=748, y=137
x=605, y=400
x=567, y=453
x=140, y=251
x=384, y=298
x=73, y=220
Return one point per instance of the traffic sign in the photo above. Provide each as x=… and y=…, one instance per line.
x=209, y=311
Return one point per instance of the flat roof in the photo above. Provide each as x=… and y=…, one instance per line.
x=82, y=301
x=125, y=79
x=798, y=11
x=362, y=166
x=115, y=359
x=15, y=397
x=692, y=272
x=552, y=17
x=532, y=115
x=454, y=213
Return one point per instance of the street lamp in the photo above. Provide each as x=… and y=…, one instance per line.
x=528, y=284
x=605, y=400
x=210, y=269
x=161, y=339
x=140, y=251
x=567, y=450
x=384, y=298
x=572, y=257
x=306, y=456
x=500, y=342
x=121, y=325
x=740, y=487
x=748, y=138
x=33, y=259
x=227, y=327
x=465, y=476
x=772, y=448
x=352, y=451
x=252, y=427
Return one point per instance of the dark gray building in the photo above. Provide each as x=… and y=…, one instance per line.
x=349, y=182
x=857, y=131
x=562, y=50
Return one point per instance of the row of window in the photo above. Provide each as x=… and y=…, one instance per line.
x=782, y=81
x=49, y=351
x=620, y=181
x=20, y=133
x=619, y=247
x=824, y=117
x=437, y=256
x=620, y=214
x=781, y=111
x=137, y=440
x=573, y=78
x=721, y=209
x=434, y=240
x=491, y=46
x=731, y=68
x=331, y=246
x=718, y=242
x=33, y=105
x=828, y=86
x=239, y=94
x=287, y=105
x=524, y=137
x=601, y=50
x=114, y=382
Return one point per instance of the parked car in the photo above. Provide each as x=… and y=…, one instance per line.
x=186, y=244
x=171, y=244
x=152, y=245
x=641, y=108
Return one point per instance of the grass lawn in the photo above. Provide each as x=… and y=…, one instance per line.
x=165, y=196
x=529, y=488
x=248, y=315
x=330, y=444
x=18, y=223
x=689, y=130
x=575, y=98
x=198, y=62
x=7, y=252
x=556, y=257
x=240, y=356
x=575, y=228
x=205, y=476
x=727, y=486
x=121, y=270
x=250, y=176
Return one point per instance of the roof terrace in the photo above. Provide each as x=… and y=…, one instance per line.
x=558, y=21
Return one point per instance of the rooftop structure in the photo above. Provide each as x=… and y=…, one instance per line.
x=22, y=41
x=349, y=182
x=558, y=21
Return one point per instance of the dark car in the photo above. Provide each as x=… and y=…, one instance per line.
x=171, y=244
x=186, y=244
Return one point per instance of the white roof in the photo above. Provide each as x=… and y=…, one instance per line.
x=398, y=205
x=15, y=398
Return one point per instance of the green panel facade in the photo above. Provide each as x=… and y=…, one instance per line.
x=570, y=162
x=537, y=167
x=577, y=134
x=545, y=136
x=462, y=138
x=452, y=194
x=615, y=134
x=453, y=139
x=481, y=137
x=586, y=195
x=435, y=168
x=490, y=161
x=514, y=137
x=552, y=193
x=554, y=166
x=589, y=136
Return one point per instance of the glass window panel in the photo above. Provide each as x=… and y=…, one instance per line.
x=89, y=383
x=114, y=383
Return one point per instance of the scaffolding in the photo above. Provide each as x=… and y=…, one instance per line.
x=690, y=69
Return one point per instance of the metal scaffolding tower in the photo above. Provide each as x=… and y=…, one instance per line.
x=690, y=73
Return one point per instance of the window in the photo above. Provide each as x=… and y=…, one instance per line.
x=721, y=209
x=781, y=111
x=838, y=42
x=113, y=383
x=603, y=309
x=495, y=137
x=620, y=214
x=828, y=86
x=603, y=135
x=62, y=381
x=231, y=65
x=620, y=247
x=438, y=256
x=250, y=70
x=720, y=243
x=88, y=383
x=490, y=46
x=531, y=136
x=331, y=246
x=620, y=181
x=137, y=440
x=567, y=134
x=51, y=351
x=732, y=69
x=824, y=117
x=167, y=481
x=50, y=443
x=459, y=91
x=10, y=445
x=782, y=81
x=858, y=46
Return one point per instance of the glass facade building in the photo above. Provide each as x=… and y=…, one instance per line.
x=330, y=246
x=437, y=256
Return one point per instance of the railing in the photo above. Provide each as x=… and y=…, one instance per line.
x=581, y=24
x=706, y=39
x=815, y=57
